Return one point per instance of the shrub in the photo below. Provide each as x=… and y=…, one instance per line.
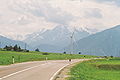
x=45, y=54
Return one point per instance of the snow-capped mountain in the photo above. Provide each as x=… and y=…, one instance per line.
x=90, y=31
x=59, y=37
x=16, y=37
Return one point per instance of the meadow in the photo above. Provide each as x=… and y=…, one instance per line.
x=104, y=69
x=6, y=57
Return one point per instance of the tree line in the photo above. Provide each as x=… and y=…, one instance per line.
x=15, y=48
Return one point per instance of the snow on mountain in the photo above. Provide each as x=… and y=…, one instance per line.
x=58, y=37
x=36, y=35
x=89, y=30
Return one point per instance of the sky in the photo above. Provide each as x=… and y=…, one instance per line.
x=21, y=17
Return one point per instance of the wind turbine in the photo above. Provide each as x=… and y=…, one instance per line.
x=72, y=42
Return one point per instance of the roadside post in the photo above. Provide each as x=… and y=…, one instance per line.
x=46, y=59
x=19, y=58
x=13, y=59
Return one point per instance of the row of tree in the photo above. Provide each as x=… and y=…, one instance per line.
x=15, y=48
x=19, y=49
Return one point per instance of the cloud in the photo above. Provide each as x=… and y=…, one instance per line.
x=114, y=2
x=21, y=17
x=45, y=10
x=54, y=15
x=93, y=13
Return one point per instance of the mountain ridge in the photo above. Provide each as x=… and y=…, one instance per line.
x=6, y=41
x=105, y=43
x=58, y=36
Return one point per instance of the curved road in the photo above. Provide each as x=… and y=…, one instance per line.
x=38, y=70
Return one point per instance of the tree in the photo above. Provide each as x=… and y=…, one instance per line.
x=37, y=50
x=10, y=48
x=79, y=53
x=6, y=47
x=19, y=48
x=15, y=48
x=27, y=50
x=111, y=56
x=64, y=52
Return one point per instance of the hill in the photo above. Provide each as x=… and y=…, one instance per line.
x=105, y=43
x=6, y=41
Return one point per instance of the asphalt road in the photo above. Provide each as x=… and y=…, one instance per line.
x=38, y=70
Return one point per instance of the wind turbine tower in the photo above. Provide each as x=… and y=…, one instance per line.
x=71, y=43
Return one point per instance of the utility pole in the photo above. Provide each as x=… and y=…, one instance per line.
x=0, y=45
x=25, y=46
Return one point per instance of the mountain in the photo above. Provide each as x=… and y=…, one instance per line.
x=49, y=48
x=6, y=41
x=105, y=43
x=55, y=39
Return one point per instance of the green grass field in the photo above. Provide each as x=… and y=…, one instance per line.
x=6, y=56
x=97, y=70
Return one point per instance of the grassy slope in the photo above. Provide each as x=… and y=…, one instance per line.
x=97, y=70
x=6, y=56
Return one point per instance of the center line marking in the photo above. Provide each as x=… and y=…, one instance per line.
x=20, y=71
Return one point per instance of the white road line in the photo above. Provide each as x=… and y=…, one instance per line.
x=20, y=71
x=32, y=68
x=58, y=72
x=53, y=77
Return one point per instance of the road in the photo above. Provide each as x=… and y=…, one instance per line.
x=37, y=70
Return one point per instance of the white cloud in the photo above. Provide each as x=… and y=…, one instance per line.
x=21, y=17
x=93, y=13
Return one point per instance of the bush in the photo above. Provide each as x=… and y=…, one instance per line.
x=111, y=56
x=105, y=57
x=64, y=52
x=37, y=50
x=45, y=54
x=27, y=50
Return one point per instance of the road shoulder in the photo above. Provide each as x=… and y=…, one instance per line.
x=64, y=73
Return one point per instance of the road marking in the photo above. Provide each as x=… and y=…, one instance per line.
x=53, y=77
x=20, y=71
x=35, y=67
x=58, y=72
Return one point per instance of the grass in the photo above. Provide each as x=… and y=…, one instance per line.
x=96, y=70
x=6, y=56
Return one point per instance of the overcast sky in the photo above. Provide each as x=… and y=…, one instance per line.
x=21, y=17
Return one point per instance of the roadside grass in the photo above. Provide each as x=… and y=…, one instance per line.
x=103, y=69
x=6, y=56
